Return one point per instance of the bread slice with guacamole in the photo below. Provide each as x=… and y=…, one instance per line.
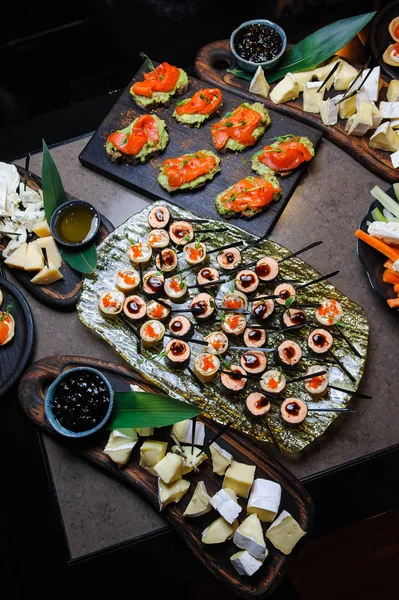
x=248, y=197
x=189, y=171
x=141, y=140
x=160, y=85
x=286, y=153
x=240, y=128
x=195, y=111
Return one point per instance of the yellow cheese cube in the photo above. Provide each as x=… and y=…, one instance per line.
x=47, y=276
x=312, y=98
x=239, y=477
x=285, y=532
x=347, y=108
x=42, y=229
x=344, y=76
x=221, y=459
x=170, y=468
x=151, y=453
x=53, y=255
x=17, y=259
x=302, y=77
x=286, y=89
x=393, y=91
x=34, y=258
x=219, y=531
x=173, y=492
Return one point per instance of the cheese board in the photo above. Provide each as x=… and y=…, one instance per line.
x=218, y=403
x=211, y=66
x=15, y=354
x=63, y=294
x=234, y=165
x=215, y=557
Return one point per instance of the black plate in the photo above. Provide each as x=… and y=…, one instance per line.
x=380, y=38
x=372, y=260
x=15, y=355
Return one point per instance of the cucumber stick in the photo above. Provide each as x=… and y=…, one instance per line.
x=396, y=190
x=377, y=215
x=386, y=201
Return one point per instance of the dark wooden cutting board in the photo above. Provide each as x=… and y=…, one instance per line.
x=63, y=294
x=214, y=557
x=211, y=64
x=234, y=166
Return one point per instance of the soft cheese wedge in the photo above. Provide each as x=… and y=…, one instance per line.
x=393, y=91
x=286, y=89
x=218, y=532
x=389, y=110
x=221, y=459
x=385, y=138
x=192, y=457
x=50, y=246
x=302, y=78
x=200, y=503
x=328, y=112
x=347, y=107
x=183, y=432
x=395, y=159
x=285, y=533
x=42, y=229
x=265, y=499
x=145, y=431
x=173, y=492
x=376, y=116
x=249, y=536
x=245, y=564
x=362, y=121
x=34, y=258
x=225, y=502
x=49, y=274
x=312, y=98
x=120, y=445
x=259, y=84
x=170, y=468
x=151, y=453
x=321, y=73
x=239, y=477
x=344, y=76
x=17, y=259
x=369, y=91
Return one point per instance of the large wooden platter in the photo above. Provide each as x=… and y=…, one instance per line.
x=215, y=558
x=234, y=166
x=211, y=65
x=63, y=294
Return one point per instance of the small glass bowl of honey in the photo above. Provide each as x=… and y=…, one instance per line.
x=75, y=223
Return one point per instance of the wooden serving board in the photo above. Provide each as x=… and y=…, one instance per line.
x=215, y=558
x=63, y=294
x=211, y=64
x=234, y=166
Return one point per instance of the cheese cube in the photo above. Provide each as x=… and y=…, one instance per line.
x=34, y=258
x=221, y=459
x=49, y=274
x=218, y=532
x=42, y=229
x=183, y=431
x=376, y=116
x=53, y=254
x=394, y=123
x=285, y=533
x=393, y=91
x=395, y=159
x=249, y=536
x=192, y=456
x=239, y=477
x=328, y=112
x=3, y=197
x=173, y=492
x=286, y=89
x=120, y=445
x=385, y=138
x=259, y=84
x=362, y=121
x=170, y=468
x=321, y=73
x=347, y=107
x=265, y=499
x=17, y=259
x=151, y=453
x=302, y=77
x=389, y=110
x=369, y=90
x=226, y=505
x=312, y=98
x=245, y=564
x=344, y=76
x=200, y=503
x=145, y=431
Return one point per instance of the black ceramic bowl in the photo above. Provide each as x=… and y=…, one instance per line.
x=66, y=206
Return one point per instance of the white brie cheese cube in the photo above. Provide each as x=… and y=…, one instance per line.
x=120, y=445
x=329, y=112
x=11, y=175
x=151, y=453
x=321, y=73
x=362, y=121
x=389, y=110
x=249, y=536
x=239, y=477
x=385, y=138
x=302, y=77
x=226, y=506
x=347, y=107
x=192, y=456
x=394, y=123
x=285, y=532
x=200, y=503
x=395, y=159
x=286, y=89
x=393, y=91
x=218, y=532
x=312, y=98
x=259, y=84
x=344, y=76
x=172, y=492
x=170, y=467
x=264, y=499
x=245, y=564
x=183, y=431
x=376, y=116
x=221, y=459
x=369, y=91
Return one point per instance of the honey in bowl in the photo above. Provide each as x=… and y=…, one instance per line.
x=77, y=223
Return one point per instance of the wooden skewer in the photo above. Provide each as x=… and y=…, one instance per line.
x=299, y=251
x=217, y=436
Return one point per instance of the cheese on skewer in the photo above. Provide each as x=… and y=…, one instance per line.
x=221, y=459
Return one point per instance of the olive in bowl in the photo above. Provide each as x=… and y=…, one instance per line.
x=258, y=43
x=79, y=402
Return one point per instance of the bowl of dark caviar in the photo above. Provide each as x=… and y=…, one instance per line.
x=258, y=43
x=79, y=402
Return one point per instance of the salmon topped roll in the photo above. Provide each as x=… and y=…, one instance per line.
x=141, y=140
x=194, y=111
x=188, y=171
x=240, y=128
x=160, y=84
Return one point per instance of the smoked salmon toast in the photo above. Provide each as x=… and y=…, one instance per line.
x=240, y=128
x=194, y=111
x=188, y=171
x=141, y=140
x=283, y=155
x=248, y=197
x=160, y=84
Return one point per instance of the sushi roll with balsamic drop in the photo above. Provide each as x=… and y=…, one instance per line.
x=207, y=275
x=293, y=317
x=262, y=309
x=181, y=326
x=195, y=253
x=159, y=217
x=158, y=311
x=166, y=260
x=158, y=238
x=234, y=323
x=235, y=300
x=175, y=287
x=139, y=253
x=181, y=233
x=273, y=381
x=258, y=404
x=203, y=306
x=153, y=283
x=316, y=386
x=111, y=303
x=247, y=281
x=234, y=380
x=134, y=308
x=320, y=341
x=229, y=259
x=289, y=353
x=253, y=361
x=206, y=366
x=293, y=411
x=178, y=354
x=285, y=291
x=255, y=337
x=329, y=312
x=218, y=342
x=127, y=280
x=266, y=268
x=152, y=332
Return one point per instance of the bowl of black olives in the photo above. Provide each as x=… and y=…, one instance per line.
x=258, y=43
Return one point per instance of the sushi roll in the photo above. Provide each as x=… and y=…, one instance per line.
x=158, y=311
x=195, y=253
x=181, y=326
x=293, y=411
x=273, y=381
x=153, y=283
x=233, y=382
x=178, y=354
x=159, y=217
x=247, y=281
x=181, y=233
x=257, y=403
x=152, y=332
x=218, y=342
x=235, y=300
x=134, y=308
x=316, y=386
x=320, y=341
x=206, y=275
x=175, y=287
x=206, y=366
x=234, y=323
x=111, y=303
x=285, y=291
x=266, y=268
x=127, y=280
x=262, y=309
x=289, y=353
x=169, y=260
x=253, y=361
x=158, y=238
x=229, y=259
x=139, y=253
x=255, y=337
x=203, y=306
x=329, y=312
x=294, y=316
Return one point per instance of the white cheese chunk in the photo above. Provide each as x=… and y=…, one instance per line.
x=344, y=76
x=239, y=477
x=393, y=91
x=302, y=77
x=11, y=175
x=395, y=159
x=370, y=89
x=387, y=232
x=193, y=457
x=249, y=536
x=362, y=121
x=34, y=258
x=286, y=89
x=347, y=107
x=226, y=506
x=389, y=110
x=259, y=84
x=321, y=73
x=245, y=564
x=184, y=432
x=170, y=467
x=3, y=197
x=120, y=445
x=48, y=275
x=17, y=259
x=50, y=246
x=218, y=532
x=376, y=116
x=151, y=453
x=16, y=240
x=312, y=98
x=221, y=459
x=173, y=492
x=200, y=503
x=385, y=138
x=328, y=112
x=265, y=499
x=285, y=533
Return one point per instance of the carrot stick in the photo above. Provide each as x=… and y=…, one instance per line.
x=378, y=245
x=388, y=264
x=390, y=277
x=396, y=288
x=393, y=302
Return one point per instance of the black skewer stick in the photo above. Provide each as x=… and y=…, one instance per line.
x=202, y=241
x=160, y=259
x=205, y=285
x=236, y=375
x=269, y=429
x=247, y=349
x=269, y=297
x=346, y=97
x=331, y=73
x=194, y=420
x=163, y=303
x=186, y=339
x=141, y=276
x=212, y=230
x=366, y=64
x=226, y=247
x=45, y=257
x=310, y=376
x=347, y=410
x=351, y=346
x=217, y=436
x=289, y=328
x=257, y=241
x=351, y=392
x=200, y=383
x=242, y=267
x=190, y=268
x=342, y=366
x=242, y=311
x=2, y=232
x=299, y=251
x=318, y=280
